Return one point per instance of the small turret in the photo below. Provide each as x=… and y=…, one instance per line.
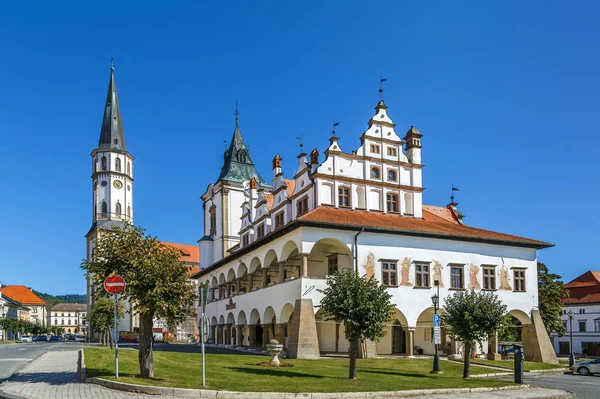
x=413, y=145
x=277, y=165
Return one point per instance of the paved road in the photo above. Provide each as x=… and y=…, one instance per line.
x=13, y=357
x=582, y=387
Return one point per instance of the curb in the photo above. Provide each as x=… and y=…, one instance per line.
x=81, y=370
x=208, y=393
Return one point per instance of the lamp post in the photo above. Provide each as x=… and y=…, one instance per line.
x=571, y=354
x=3, y=316
x=436, y=301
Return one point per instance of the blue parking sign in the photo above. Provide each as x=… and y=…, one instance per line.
x=436, y=320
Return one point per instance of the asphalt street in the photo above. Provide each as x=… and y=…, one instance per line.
x=582, y=387
x=14, y=357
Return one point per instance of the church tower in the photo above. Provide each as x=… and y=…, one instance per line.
x=223, y=200
x=112, y=175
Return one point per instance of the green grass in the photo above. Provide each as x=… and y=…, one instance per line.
x=529, y=366
x=9, y=342
x=241, y=373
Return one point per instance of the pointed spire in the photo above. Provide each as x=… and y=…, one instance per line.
x=112, y=134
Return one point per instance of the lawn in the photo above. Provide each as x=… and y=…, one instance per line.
x=241, y=373
x=529, y=366
x=8, y=342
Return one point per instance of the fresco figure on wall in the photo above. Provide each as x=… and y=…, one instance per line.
x=405, y=273
x=370, y=265
x=504, y=284
x=473, y=277
x=437, y=272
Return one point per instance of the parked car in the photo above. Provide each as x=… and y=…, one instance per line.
x=33, y=338
x=588, y=367
x=71, y=337
x=54, y=338
x=42, y=338
x=26, y=338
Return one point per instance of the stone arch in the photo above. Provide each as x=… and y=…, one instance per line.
x=221, y=320
x=520, y=315
x=394, y=338
x=254, y=317
x=213, y=321
x=222, y=279
x=328, y=250
x=286, y=313
x=255, y=264
x=242, y=270
x=230, y=275
x=268, y=315
x=270, y=258
x=289, y=249
x=230, y=318
x=241, y=319
x=214, y=282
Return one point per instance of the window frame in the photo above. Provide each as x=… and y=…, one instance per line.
x=392, y=151
x=279, y=219
x=389, y=272
x=332, y=264
x=245, y=240
x=344, y=193
x=375, y=149
x=487, y=277
x=302, y=206
x=213, y=220
x=582, y=323
x=377, y=174
x=394, y=200
x=260, y=231
x=393, y=173
x=520, y=281
x=453, y=275
x=420, y=273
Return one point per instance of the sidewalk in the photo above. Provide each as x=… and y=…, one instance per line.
x=54, y=375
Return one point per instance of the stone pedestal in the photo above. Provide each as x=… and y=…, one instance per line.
x=536, y=343
x=239, y=332
x=493, y=353
x=302, y=332
x=454, y=350
x=367, y=350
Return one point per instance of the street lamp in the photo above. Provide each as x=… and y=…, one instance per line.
x=571, y=355
x=436, y=301
x=3, y=316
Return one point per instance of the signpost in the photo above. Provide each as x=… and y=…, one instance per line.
x=115, y=285
x=437, y=333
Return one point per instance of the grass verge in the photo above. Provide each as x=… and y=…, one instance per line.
x=510, y=364
x=241, y=373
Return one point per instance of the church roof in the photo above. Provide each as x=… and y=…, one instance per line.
x=22, y=294
x=237, y=164
x=584, y=289
x=190, y=254
x=112, y=135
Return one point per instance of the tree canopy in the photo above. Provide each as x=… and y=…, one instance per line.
x=102, y=317
x=551, y=290
x=472, y=316
x=158, y=284
x=361, y=304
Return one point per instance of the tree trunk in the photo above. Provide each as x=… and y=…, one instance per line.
x=467, y=362
x=145, y=352
x=109, y=337
x=353, y=358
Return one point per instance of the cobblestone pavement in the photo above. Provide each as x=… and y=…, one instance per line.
x=54, y=375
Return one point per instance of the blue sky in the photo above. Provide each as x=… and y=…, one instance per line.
x=505, y=93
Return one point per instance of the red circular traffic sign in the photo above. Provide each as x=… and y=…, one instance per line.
x=114, y=284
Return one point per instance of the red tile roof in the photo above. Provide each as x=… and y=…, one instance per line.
x=22, y=294
x=189, y=253
x=584, y=289
x=434, y=223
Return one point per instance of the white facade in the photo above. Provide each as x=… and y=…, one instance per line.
x=361, y=210
x=586, y=331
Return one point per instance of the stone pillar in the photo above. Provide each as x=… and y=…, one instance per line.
x=281, y=272
x=251, y=335
x=238, y=286
x=410, y=341
x=220, y=334
x=536, y=343
x=266, y=335
x=239, y=331
x=455, y=350
x=304, y=265
x=367, y=350
x=264, y=277
x=493, y=353
x=250, y=281
x=302, y=330
x=279, y=333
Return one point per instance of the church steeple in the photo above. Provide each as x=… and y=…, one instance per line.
x=112, y=134
x=237, y=164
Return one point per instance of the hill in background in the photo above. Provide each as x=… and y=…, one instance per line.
x=52, y=300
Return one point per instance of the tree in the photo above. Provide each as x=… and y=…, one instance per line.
x=157, y=281
x=511, y=329
x=472, y=316
x=551, y=290
x=102, y=318
x=363, y=306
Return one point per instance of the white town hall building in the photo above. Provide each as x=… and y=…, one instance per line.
x=268, y=248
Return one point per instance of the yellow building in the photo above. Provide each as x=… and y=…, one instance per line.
x=69, y=316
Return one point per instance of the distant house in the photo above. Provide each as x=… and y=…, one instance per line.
x=69, y=316
x=37, y=313
x=584, y=302
x=10, y=309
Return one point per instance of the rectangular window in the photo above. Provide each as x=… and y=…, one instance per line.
x=260, y=231
x=456, y=277
x=389, y=273
x=279, y=220
x=245, y=240
x=391, y=151
x=519, y=277
x=392, y=202
x=344, y=196
x=565, y=324
x=422, y=275
x=563, y=348
x=332, y=264
x=302, y=206
x=581, y=310
x=489, y=277
x=375, y=149
x=213, y=221
x=581, y=325
x=597, y=325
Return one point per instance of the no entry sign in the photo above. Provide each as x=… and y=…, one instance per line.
x=114, y=284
